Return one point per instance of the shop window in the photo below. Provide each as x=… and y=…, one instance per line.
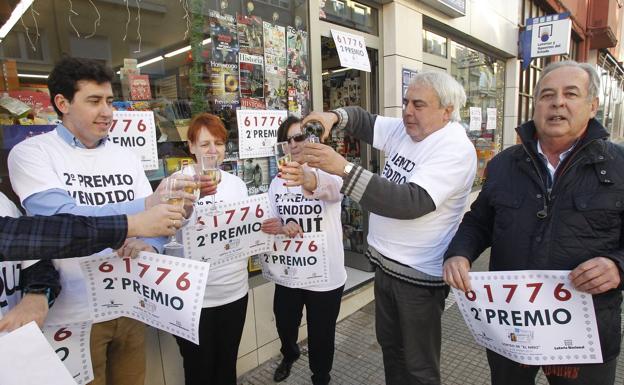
x=611, y=96
x=483, y=79
x=434, y=43
x=17, y=46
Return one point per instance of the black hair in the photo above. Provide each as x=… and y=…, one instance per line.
x=69, y=71
x=282, y=131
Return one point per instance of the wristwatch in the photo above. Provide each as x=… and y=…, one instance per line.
x=39, y=289
x=347, y=169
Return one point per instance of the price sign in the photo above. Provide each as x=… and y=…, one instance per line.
x=297, y=262
x=351, y=50
x=534, y=317
x=136, y=130
x=71, y=344
x=257, y=132
x=26, y=358
x=162, y=291
x=231, y=236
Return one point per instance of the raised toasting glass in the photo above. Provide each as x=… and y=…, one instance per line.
x=172, y=195
x=283, y=156
x=210, y=168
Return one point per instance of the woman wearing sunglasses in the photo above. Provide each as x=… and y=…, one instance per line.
x=322, y=301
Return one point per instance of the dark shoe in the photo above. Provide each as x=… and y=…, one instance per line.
x=283, y=371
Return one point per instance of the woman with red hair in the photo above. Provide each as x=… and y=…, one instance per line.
x=213, y=361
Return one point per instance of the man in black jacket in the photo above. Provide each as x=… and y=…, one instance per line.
x=554, y=202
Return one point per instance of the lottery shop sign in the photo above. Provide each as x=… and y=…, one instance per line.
x=234, y=235
x=136, y=130
x=534, y=317
x=162, y=291
x=297, y=262
x=257, y=132
x=351, y=50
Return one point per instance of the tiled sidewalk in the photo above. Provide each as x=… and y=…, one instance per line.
x=358, y=359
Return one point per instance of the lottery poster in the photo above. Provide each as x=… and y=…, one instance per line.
x=351, y=50
x=532, y=317
x=136, y=131
x=231, y=236
x=297, y=262
x=71, y=344
x=257, y=132
x=158, y=290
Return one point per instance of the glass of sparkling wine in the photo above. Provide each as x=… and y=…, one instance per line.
x=191, y=172
x=282, y=156
x=173, y=186
x=210, y=168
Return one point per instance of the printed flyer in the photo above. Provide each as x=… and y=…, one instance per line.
x=250, y=35
x=251, y=73
x=158, y=290
x=534, y=317
x=224, y=37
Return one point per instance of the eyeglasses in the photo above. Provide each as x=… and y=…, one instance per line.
x=297, y=138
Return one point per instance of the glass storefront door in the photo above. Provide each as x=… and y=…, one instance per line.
x=349, y=87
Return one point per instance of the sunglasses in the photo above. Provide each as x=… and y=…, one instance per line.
x=297, y=138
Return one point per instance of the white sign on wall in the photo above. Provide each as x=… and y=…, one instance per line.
x=550, y=35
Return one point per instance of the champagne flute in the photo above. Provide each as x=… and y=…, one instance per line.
x=283, y=156
x=210, y=168
x=172, y=196
x=191, y=174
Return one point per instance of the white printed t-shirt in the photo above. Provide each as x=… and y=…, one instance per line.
x=228, y=282
x=94, y=177
x=324, y=216
x=10, y=292
x=444, y=164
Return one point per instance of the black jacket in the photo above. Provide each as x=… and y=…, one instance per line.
x=531, y=229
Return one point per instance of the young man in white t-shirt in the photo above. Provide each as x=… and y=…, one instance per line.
x=75, y=169
x=416, y=205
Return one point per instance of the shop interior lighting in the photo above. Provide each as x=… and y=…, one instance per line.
x=167, y=55
x=178, y=51
x=184, y=49
x=18, y=11
x=32, y=76
x=150, y=61
x=335, y=71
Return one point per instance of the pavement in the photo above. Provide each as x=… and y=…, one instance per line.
x=358, y=358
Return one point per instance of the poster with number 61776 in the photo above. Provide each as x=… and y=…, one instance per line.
x=71, y=343
x=297, y=262
x=158, y=290
x=534, y=317
x=231, y=236
x=257, y=132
